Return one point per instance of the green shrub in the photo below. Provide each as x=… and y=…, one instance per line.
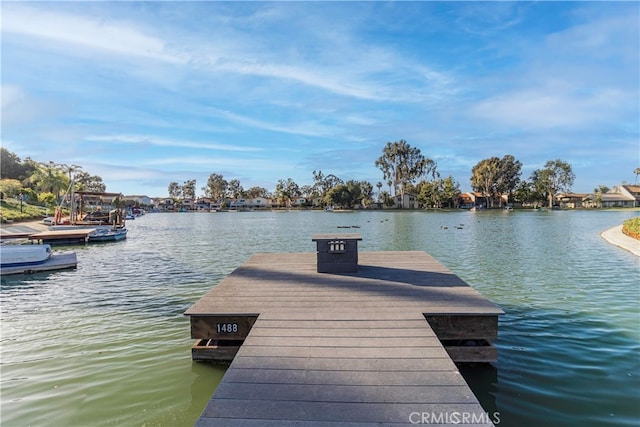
x=631, y=227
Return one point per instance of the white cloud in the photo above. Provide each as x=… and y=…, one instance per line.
x=116, y=38
x=163, y=142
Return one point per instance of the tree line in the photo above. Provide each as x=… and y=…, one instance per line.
x=405, y=170
x=43, y=182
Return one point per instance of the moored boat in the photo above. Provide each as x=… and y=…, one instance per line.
x=108, y=235
x=23, y=255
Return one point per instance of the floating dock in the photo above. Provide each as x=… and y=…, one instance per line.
x=63, y=237
x=370, y=347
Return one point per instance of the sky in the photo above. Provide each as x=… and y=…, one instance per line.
x=147, y=93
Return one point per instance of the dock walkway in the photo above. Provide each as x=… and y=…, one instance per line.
x=350, y=349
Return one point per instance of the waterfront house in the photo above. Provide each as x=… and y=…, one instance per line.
x=140, y=200
x=620, y=196
x=203, y=203
x=406, y=201
x=480, y=200
x=571, y=200
x=260, y=203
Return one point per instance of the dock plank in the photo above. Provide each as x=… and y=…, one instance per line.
x=341, y=349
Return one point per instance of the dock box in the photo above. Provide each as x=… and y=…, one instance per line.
x=337, y=253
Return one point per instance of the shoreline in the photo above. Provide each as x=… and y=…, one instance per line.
x=616, y=237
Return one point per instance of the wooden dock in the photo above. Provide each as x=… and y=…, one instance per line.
x=63, y=237
x=373, y=347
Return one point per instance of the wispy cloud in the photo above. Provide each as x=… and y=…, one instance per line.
x=164, y=142
x=85, y=31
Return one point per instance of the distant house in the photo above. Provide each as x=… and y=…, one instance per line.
x=239, y=204
x=406, y=201
x=260, y=203
x=620, y=196
x=466, y=200
x=203, y=203
x=140, y=200
x=299, y=201
x=478, y=199
x=571, y=200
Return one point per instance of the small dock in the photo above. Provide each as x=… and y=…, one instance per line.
x=63, y=237
x=366, y=346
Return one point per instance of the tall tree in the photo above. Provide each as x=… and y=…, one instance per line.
x=450, y=191
x=175, y=191
x=287, y=190
x=86, y=182
x=402, y=164
x=216, y=187
x=509, y=174
x=636, y=172
x=323, y=183
x=484, y=177
x=12, y=167
x=255, y=192
x=189, y=190
x=49, y=177
x=235, y=189
x=554, y=178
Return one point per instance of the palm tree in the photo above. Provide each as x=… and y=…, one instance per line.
x=49, y=177
x=637, y=172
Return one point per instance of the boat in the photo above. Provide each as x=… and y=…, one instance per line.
x=108, y=235
x=22, y=259
x=23, y=255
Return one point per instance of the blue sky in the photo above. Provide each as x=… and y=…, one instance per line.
x=145, y=93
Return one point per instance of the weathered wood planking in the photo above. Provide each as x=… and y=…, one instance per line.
x=63, y=236
x=349, y=349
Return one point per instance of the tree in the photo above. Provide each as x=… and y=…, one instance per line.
x=523, y=192
x=12, y=167
x=255, y=192
x=379, y=186
x=10, y=187
x=235, y=189
x=484, y=177
x=322, y=184
x=287, y=190
x=402, y=164
x=189, y=190
x=636, y=172
x=366, y=190
x=175, y=191
x=556, y=177
x=48, y=177
x=509, y=171
x=86, y=182
x=216, y=187
x=429, y=194
x=450, y=191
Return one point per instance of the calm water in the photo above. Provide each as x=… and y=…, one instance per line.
x=107, y=344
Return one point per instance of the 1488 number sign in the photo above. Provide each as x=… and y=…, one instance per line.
x=227, y=328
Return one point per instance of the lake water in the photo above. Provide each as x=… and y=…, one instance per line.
x=107, y=344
